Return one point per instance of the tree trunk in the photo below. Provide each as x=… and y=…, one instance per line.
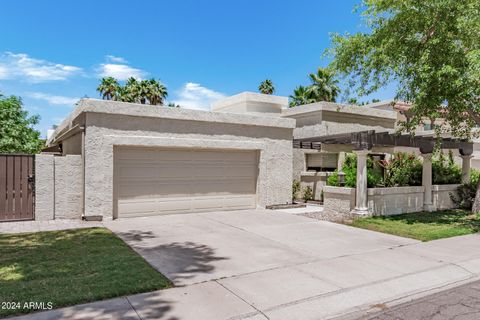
x=476, y=202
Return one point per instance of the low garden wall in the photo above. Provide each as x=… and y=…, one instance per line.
x=395, y=200
x=389, y=201
x=58, y=187
x=441, y=196
x=315, y=180
x=338, y=199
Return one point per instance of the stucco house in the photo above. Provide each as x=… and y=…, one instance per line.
x=136, y=160
x=113, y=159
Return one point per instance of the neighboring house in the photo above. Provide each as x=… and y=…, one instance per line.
x=312, y=167
x=426, y=128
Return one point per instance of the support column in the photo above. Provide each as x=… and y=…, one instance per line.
x=466, y=168
x=427, y=182
x=341, y=159
x=361, y=201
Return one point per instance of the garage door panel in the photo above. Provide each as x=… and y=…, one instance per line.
x=209, y=171
x=166, y=181
x=138, y=207
x=137, y=190
x=138, y=172
x=175, y=172
x=173, y=204
x=245, y=171
x=208, y=203
x=239, y=201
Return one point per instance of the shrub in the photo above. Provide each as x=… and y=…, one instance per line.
x=445, y=170
x=308, y=193
x=402, y=170
x=466, y=192
x=295, y=189
x=349, y=168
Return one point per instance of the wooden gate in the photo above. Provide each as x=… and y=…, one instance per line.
x=17, y=187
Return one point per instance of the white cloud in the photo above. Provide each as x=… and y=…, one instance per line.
x=115, y=59
x=53, y=99
x=120, y=71
x=118, y=68
x=194, y=96
x=21, y=66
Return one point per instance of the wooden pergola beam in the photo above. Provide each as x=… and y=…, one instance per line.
x=368, y=139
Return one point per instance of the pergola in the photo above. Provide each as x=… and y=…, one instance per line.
x=362, y=143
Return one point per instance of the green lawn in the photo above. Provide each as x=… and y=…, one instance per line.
x=70, y=267
x=424, y=226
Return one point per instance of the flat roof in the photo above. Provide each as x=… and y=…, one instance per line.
x=341, y=108
x=163, y=112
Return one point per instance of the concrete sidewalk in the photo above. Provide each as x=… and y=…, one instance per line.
x=264, y=265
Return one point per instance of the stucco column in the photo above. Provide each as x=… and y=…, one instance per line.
x=361, y=204
x=427, y=181
x=466, y=168
x=341, y=159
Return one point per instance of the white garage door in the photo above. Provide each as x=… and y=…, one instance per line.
x=164, y=181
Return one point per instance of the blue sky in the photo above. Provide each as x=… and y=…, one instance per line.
x=54, y=52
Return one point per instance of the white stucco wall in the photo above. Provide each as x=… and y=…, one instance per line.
x=338, y=199
x=396, y=200
x=389, y=201
x=44, y=187
x=167, y=128
x=68, y=187
x=441, y=196
x=58, y=187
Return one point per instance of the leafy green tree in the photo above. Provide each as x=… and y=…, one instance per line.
x=324, y=86
x=430, y=48
x=266, y=87
x=108, y=88
x=16, y=128
x=301, y=96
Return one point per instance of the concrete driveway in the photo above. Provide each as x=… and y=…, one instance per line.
x=262, y=264
x=194, y=248
x=258, y=264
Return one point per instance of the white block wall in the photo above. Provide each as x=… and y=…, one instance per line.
x=58, y=187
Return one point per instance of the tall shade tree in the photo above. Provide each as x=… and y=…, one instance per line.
x=429, y=48
x=17, y=134
x=157, y=92
x=324, y=86
x=301, y=95
x=108, y=88
x=266, y=87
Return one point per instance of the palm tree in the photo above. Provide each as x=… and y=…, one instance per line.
x=131, y=91
x=157, y=92
x=266, y=87
x=108, y=88
x=301, y=96
x=324, y=86
x=144, y=91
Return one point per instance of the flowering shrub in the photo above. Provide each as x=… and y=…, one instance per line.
x=403, y=169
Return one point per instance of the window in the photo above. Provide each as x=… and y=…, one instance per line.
x=325, y=162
